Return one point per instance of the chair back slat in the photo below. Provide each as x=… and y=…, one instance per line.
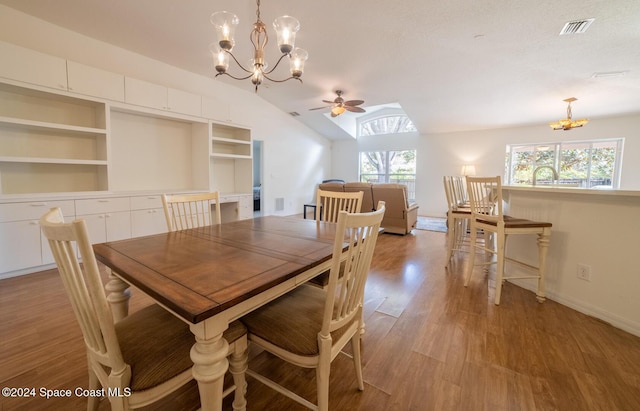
x=485, y=198
x=345, y=290
x=191, y=210
x=83, y=286
x=330, y=203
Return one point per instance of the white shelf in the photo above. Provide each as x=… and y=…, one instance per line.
x=27, y=124
x=35, y=160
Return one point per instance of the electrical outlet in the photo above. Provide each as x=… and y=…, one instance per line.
x=584, y=272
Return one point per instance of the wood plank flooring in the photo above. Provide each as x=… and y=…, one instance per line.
x=430, y=344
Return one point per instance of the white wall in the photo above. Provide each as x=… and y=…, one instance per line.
x=445, y=154
x=295, y=157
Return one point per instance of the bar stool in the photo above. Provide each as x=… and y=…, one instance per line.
x=458, y=215
x=485, y=197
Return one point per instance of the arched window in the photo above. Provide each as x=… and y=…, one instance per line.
x=386, y=124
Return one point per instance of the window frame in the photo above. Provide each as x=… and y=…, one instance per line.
x=410, y=184
x=558, y=148
x=380, y=114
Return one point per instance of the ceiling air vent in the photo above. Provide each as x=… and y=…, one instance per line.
x=576, y=27
x=294, y=114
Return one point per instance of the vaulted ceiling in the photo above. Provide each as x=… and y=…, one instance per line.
x=452, y=65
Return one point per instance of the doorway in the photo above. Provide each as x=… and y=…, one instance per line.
x=258, y=189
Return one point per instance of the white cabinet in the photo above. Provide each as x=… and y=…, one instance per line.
x=21, y=244
x=215, y=109
x=108, y=219
x=152, y=95
x=182, y=102
x=147, y=216
x=51, y=142
x=33, y=67
x=91, y=81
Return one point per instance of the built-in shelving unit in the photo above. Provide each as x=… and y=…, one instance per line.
x=230, y=149
x=51, y=142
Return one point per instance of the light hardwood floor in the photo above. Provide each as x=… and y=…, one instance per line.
x=430, y=344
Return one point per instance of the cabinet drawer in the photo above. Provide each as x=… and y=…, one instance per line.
x=102, y=205
x=146, y=202
x=33, y=210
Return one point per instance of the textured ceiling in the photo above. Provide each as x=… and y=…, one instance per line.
x=453, y=65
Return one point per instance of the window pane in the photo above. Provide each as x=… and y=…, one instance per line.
x=390, y=167
x=373, y=166
x=583, y=163
x=387, y=125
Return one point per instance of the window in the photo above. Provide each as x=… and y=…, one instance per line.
x=389, y=124
x=584, y=164
x=390, y=167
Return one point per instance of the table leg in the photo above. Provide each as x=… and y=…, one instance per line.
x=118, y=296
x=210, y=364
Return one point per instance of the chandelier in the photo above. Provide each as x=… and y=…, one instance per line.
x=568, y=123
x=286, y=28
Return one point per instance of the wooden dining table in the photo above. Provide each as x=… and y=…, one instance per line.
x=212, y=275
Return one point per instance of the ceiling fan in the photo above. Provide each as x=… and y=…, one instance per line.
x=339, y=106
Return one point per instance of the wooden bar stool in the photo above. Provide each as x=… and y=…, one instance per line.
x=458, y=216
x=485, y=197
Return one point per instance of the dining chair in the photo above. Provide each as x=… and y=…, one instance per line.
x=458, y=216
x=310, y=326
x=485, y=197
x=330, y=203
x=146, y=355
x=183, y=211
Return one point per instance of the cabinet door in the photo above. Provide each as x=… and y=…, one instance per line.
x=95, y=82
x=148, y=222
x=108, y=227
x=143, y=93
x=183, y=102
x=19, y=245
x=118, y=225
x=215, y=109
x=30, y=66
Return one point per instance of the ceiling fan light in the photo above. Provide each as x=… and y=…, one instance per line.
x=337, y=110
x=286, y=28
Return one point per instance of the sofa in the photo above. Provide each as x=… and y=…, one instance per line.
x=400, y=216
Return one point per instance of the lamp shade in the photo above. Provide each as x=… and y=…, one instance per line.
x=468, y=170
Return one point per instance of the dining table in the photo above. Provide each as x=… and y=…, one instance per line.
x=213, y=275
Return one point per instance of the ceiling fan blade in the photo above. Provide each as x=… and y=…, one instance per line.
x=355, y=109
x=353, y=102
x=328, y=102
x=319, y=108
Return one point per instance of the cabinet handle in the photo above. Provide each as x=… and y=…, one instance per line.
x=34, y=223
x=38, y=204
x=103, y=201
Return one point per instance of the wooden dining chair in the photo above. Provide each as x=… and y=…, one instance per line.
x=146, y=355
x=183, y=211
x=309, y=326
x=485, y=197
x=330, y=203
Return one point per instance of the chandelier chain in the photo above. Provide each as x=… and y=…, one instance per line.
x=258, y=9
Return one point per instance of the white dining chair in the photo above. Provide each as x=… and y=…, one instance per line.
x=310, y=326
x=144, y=356
x=183, y=211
